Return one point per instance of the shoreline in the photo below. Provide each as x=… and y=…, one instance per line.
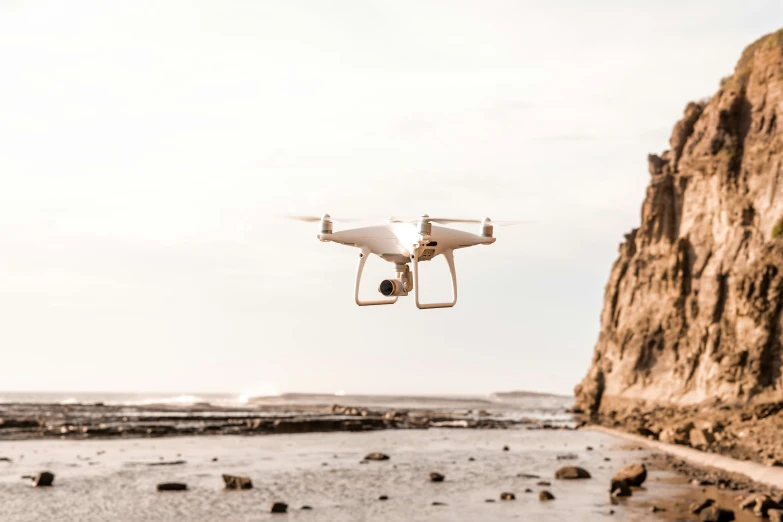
x=24, y=421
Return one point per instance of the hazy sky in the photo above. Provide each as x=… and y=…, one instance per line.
x=146, y=148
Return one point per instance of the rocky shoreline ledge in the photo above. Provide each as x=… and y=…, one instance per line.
x=90, y=421
x=741, y=431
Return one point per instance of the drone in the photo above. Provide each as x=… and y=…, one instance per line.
x=403, y=242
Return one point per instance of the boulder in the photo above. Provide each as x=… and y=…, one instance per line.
x=507, y=496
x=279, y=507
x=571, y=472
x=436, y=477
x=620, y=488
x=172, y=486
x=775, y=515
x=633, y=474
x=760, y=504
x=544, y=495
x=377, y=456
x=43, y=479
x=716, y=514
x=234, y=482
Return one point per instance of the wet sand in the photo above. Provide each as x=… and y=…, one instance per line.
x=102, y=480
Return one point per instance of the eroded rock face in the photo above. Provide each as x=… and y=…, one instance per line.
x=693, y=305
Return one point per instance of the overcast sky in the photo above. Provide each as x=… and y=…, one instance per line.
x=146, y=148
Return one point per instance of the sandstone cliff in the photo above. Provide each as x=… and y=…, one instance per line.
x=693, y=305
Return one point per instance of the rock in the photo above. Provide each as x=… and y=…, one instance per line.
x=760, y=504
x=306, y=508
x=436, y=477
x=528, y=475
x=775, y=515
x=545, y=495
x=172, y=486
x=5, y=459
x=377, y=456
x=633, y=474
x=701, y=439
x=167, y=463
x=528, y=490
x=43, y=479
x=234, y=482
x=716, y=514
x=438, y=503
x=383, y=497
x=656, y=509
x=619, y=488
x=505, y=448
x=279, y=507
x=698, y=507
x=543, y=483
x=471, y=459
x=692, y=303
x=507, y=496
x=214, y=459
x=571, y=472
x=489, y=500
x=589, y=448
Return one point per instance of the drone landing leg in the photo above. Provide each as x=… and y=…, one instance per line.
x=365, y=253
x=449, y=255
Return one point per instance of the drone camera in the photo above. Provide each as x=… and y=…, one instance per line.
x=390, y=287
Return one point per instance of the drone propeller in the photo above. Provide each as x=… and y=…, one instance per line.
x=449, y=221
x=315, y=219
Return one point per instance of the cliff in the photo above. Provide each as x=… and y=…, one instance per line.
x=692, y=309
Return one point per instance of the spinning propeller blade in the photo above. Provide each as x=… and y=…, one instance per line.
x=314, y=219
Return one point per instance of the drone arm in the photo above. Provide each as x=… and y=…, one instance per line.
x=363, y=259
x=449, y=255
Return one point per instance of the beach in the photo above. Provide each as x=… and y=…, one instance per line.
x=101, y=480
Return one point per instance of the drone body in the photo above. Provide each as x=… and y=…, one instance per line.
x=404, y=242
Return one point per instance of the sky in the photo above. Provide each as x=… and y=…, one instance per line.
x=147, y=150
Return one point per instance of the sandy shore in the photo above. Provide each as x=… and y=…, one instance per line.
x=100, y=480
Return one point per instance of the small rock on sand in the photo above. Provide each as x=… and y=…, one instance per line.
x=43, y=479
x=545, y=495
x=279, y=507
x=716, y=514
x=698, y=507
x=436, y=477
x=471, y=459
x=528, y=475
x=505, y=448
x=528, y=490
x=543, y=483
x=656, y=509
x=633, y=474
x=438, y=503
x=571, y=472
x=234, y=482
x=507, y=496
x=172, y=486
x=383, y=497
x=377, y=456
x=5, y=459
x=619, y=488
x=306, y=508
x=490, y=500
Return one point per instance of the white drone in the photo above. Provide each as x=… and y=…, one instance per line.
x=403, y=241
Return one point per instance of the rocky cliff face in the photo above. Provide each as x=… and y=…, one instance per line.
x=693, y=305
